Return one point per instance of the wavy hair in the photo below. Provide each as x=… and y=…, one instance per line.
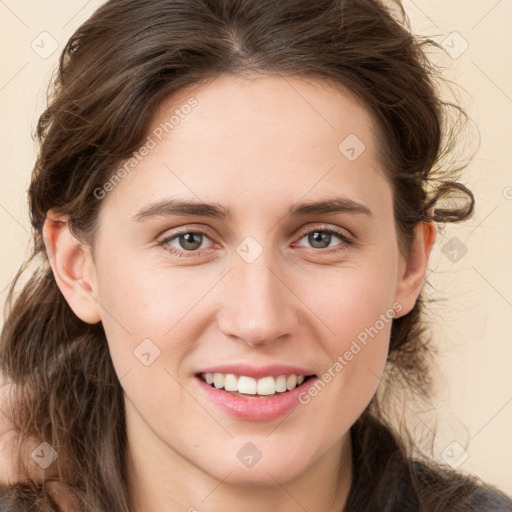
x=114, y=72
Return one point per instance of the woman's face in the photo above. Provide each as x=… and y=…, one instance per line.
x=267, y=289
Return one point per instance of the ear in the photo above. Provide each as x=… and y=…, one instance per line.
x=73, y=267
x=413, y=269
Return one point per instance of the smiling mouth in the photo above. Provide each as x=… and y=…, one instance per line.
x=244, y=386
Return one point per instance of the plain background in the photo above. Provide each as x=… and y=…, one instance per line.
x=469, y=270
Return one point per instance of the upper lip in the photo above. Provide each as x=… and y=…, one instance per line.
x=258, y=372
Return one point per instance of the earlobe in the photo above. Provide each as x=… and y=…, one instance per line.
x=72, y=267
x=413, y=270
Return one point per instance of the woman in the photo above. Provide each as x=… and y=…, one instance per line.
x=235, y=202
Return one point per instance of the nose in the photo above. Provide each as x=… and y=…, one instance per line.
x=258, y=305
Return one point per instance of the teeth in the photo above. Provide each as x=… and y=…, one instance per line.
x=267, y=386
x=218, y=380
x=291, y=382
x=281, y=384
x=247, y=385
x=231, y=382
x=251, y=386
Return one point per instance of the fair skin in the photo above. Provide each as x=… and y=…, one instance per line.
x=256, y=146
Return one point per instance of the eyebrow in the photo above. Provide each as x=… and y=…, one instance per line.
x=171, y=206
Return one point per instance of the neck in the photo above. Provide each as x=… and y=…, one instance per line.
x=159, y=479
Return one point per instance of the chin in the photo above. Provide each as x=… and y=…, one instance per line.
x=265, y=472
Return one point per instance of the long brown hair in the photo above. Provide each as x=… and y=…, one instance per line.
x=114, y=72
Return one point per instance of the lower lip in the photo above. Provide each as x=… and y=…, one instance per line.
x=256, y=408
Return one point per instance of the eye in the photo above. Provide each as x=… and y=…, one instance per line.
x=321, y=238
x=188, y=243
x=185, y=242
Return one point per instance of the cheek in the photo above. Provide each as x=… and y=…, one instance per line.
x=357, y=307
x=145, y=315
x=350, y=302
x=140, y=302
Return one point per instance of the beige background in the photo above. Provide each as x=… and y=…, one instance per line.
x=473, y=323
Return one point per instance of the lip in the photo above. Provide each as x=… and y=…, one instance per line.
x=254, y=408
x=259, y=372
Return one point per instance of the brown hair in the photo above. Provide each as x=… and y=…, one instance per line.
x=114, y=72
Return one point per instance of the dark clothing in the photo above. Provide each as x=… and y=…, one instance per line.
x=385, y=480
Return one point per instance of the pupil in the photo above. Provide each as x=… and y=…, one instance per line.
x=189, y=239
x=316, y=237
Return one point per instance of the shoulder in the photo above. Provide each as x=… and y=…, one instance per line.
x=386, y=479
x=457, y=492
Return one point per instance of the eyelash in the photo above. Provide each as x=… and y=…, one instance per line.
x=346, y=241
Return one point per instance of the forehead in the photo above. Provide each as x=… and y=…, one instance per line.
x=256, y=138
x=270, y=109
